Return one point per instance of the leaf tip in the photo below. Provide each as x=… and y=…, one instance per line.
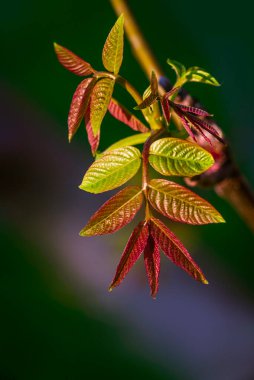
x=205, y=282
x=111, y=287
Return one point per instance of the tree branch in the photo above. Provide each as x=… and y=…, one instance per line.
x=224, y=177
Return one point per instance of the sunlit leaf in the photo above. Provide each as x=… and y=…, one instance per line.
x=152, y=264
x=111, y=169
x=115, y=213
x=175, y=250
x=122, y=114
x=196, y=74
x=72, y=62
x=92, y=139
x=180, y=204
x=140, y=138
x=100, y=99
x=112, y=54
x=79, y=105
x=175, y=157
x=177, y=67
x=135, y=246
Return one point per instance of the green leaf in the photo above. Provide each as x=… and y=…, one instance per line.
x=118, y=211
x=175, y=157
x=180, y=204
x=196, y=74
x=112, y=54
x=100, y=99
x=112, y=169
x=131, y=140
x=177, y=67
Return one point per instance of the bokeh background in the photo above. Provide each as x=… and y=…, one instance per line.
x=57, y=319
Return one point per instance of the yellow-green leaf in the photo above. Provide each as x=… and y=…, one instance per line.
x=100, y=99
x=112, y=54
x=112, y=169
x=196, y=74
x=178, y=67
x=118, y=211
x=175, y=157
x=180, y=204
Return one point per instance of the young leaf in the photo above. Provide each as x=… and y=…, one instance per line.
x=177, y=67
x=198, y=123
x=72, y=62
x=196, y=74
x=115, y=213
x=92, y=139
x=111, y=169
x=150, y=95
x=152, y=264
x=112, y=54
x=154, y=84
x=165, y=108
x=99, y=102
x=174, y=250
x=79, y=105
x=140, y=138
x=180, y=204
x=135, y=246
x=193, y=110
x=147, y=102
x=122, y=114
x=175, y=157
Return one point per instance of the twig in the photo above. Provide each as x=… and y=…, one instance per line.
x=227, y=180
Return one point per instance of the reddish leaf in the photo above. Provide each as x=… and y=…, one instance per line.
x=165, y=108
x=92, y=139
x=175, y=250
x=135, y=246
x=122, y=114
x=72, y=62
x=171, y=92
x=154, y=84
x=185, y=124
x=194, y=110
x=208, y=127
x=79, y=105
x=118, y=211
x=152, y=264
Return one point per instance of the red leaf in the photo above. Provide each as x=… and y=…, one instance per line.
x=122, y=114
x=152, y=264
x=118, y=211
x=175, y=250
x=165, y=108
x=92, y=139
x=185, y=124
x=194, y=110
x=79, y=105
x=72, y=62
x=208, y=127
x=135, y=246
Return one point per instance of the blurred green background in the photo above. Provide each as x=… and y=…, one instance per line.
x=57, y=319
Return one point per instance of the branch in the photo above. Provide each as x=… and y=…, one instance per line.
x=226, y=179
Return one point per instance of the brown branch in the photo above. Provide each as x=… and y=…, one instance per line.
x=224, y=177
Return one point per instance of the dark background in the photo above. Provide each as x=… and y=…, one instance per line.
x=57, y=319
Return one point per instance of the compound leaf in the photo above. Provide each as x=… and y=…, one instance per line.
x=79, y=105
x=72, y=62
x=175, y=250
x=175, y=157
x=180, y=204
x=111, y=169
x=135, y=246
x=112, y=54
x=115, y=213
x=100, y=99
x=196, y=74
x=152, y=264
x=177, y=67
x=122, y=114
